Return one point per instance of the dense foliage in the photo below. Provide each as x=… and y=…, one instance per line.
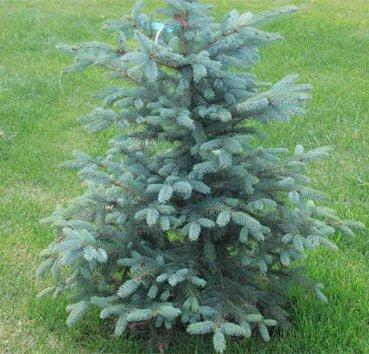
x=187, y=220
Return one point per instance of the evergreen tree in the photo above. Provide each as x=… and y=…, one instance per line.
x=187, y=220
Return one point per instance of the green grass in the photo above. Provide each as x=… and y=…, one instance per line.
x=327, y=43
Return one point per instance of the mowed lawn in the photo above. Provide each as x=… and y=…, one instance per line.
x=327, y=43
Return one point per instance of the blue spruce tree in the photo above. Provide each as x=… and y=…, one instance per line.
x=187, y=220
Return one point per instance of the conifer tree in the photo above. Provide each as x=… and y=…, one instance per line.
x=187, y=221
